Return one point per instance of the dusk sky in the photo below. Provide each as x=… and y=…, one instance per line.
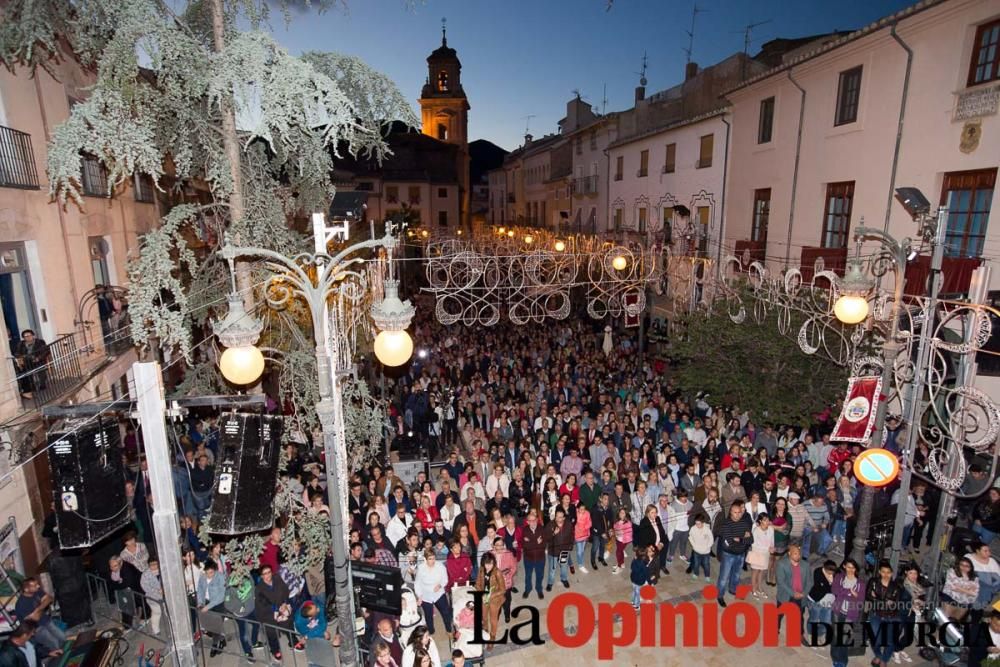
x=522, y=57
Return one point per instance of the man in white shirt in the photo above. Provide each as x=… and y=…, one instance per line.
x=498, y=480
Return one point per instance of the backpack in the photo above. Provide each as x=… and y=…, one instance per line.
x=239, y=597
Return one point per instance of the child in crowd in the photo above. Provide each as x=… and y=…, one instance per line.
x=643, y=568
x=623, y=538
x=700, y=537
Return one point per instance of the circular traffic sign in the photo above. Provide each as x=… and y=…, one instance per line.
x=876, y=467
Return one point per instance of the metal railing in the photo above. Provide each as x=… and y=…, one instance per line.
x=46, y=379
x=17, y=160
x=130, y=608
x=585, y=185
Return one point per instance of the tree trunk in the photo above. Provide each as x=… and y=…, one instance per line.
x=231, y=145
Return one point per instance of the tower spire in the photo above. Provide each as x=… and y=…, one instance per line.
x=444, y=32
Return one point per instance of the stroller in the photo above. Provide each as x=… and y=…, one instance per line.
x=462, y=621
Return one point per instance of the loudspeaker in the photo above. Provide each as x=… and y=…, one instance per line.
x=88, y=478
x=377, y=587
x=246, y=474
x=69, y=579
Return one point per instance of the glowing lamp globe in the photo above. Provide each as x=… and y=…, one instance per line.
x=242, y=365
x=529, y=239
x=502, y=230
x=393, y=348
x=619, y=263
x=851, y=309
x=424, y=233
x=510, y=233
x=560, y=246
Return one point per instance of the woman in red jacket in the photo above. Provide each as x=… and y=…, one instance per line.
x=427, y=514
x=459, y=566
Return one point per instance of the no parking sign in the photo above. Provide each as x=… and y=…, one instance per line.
x=876, y=467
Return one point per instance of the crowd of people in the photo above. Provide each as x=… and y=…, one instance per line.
x=555, y=460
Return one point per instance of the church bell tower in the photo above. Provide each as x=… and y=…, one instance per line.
x=444, y=111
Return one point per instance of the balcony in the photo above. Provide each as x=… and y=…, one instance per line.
x=668, y=169
x=642, y=173
x=585, y=185
x=750, y=251
x=17, y=160
x=511, y=198
x=42, y=380
x=833, y=259
x=618, y=177
x=703, y=163
x=415, y=200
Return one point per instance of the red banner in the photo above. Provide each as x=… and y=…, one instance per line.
x=857, y=419
x=630, y=300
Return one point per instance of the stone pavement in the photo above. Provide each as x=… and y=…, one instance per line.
x=599, y=586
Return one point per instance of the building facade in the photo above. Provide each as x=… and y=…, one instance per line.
x=52, y=260
x=821, y=141
x=666, y=184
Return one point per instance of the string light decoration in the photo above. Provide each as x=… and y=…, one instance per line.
x=527, y=275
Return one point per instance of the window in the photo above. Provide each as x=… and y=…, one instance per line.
x=967, y=194
x=848, y=94
x=618, y=219
x=837, y=217
x=442, y=193
x=579, y=145
x=642, y=220
x=99, y=260
x=442, y=133
x=985, y=65
x=643, y=163
x=142, y=188
x=670, y=161
x=391, y=194
x=705, y=153
x=668, y=224
x=703, y=214
x=95, y=177
x=443, y=81
x=619, y=167
x=413, y=194
x=765, y=123
x=442, y=218
x=16, y=297
x=761, y=213
x=593, y=140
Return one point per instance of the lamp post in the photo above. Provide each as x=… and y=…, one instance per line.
x=855, y=286
x=316, y=278
x=852, y=308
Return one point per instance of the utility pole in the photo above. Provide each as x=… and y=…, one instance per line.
x=149, y=390
x=915, y=395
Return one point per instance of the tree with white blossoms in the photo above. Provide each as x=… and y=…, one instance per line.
x=172, y=80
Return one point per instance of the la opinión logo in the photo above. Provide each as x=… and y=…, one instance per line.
x=703, y=624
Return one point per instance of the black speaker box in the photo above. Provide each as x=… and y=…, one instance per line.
x=246, y=474
x=88, y=479
x=379, y=588
x=69, y=579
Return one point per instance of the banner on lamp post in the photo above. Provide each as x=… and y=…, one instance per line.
x=632, y=313
x=857, y=419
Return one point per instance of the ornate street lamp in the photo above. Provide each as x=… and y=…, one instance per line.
x=852, y=305
x=242, y=363
x=393, y=346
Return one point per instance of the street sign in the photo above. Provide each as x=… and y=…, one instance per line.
x=876, y=467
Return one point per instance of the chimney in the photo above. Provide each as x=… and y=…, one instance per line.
x=690, y=70
x=527, y=139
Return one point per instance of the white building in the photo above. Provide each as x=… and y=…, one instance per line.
x=667, y=183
